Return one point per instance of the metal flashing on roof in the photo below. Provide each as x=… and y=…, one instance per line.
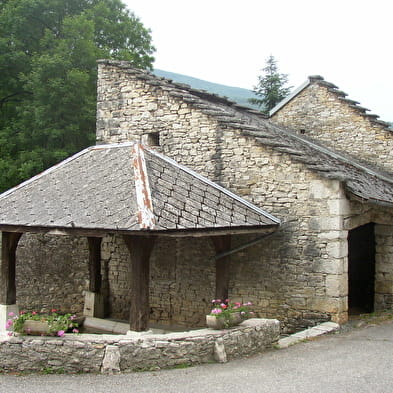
x=290, y=97
x=126, y=187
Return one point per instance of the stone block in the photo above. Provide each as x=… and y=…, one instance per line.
x=337, y=249
x=111, y=361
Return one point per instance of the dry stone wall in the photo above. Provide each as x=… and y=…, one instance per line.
x=291, y=275
x=116, y=353
x=51, y=273
x=384, y=267
x=181, y=280
x=320, y=112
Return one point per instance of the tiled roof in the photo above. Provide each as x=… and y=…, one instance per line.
x=126, y=187
x=361, y=180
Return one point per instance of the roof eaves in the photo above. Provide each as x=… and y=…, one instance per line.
x=340, y=157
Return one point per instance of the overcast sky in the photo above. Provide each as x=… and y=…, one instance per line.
x=348, y=42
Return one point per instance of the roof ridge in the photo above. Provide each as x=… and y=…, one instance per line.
x=211, y=183
x=144, y=200
x=334, y=154
x=178, y=87
x=341, y=95
x=46, y=171
x=373, y=118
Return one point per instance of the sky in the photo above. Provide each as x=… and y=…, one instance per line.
x=348, y=42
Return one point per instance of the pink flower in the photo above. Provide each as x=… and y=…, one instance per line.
x=8, y=323
x=22, y=312
x=216, y=311
x=53, y=310
x=10, y=333
x=34, y=313
x=72, y=317
x=75, y=330
x=223, y=305
x=60, y=333
x=11, y=314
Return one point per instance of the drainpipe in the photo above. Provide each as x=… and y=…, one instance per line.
x=242, y=247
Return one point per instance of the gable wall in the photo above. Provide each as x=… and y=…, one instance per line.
x=322, y=115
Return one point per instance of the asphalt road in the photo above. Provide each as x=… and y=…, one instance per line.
x=359, y=360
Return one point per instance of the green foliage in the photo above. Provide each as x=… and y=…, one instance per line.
x=271, y=87
x=227, y=311
x=58, y=324
x=48, y=54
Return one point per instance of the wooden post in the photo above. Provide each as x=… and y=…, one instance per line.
x=9, y=243
x=95, y=264
x=222, y=244
x=140, y=249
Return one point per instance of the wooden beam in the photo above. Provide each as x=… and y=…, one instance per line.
x=95, y=264
x=140, y=249
x=221, y=245
x=167, y=232
x=9, y=243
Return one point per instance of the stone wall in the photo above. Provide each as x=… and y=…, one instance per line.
x=51, y=273
x=182, y=280
x=298, y=275
x=293, y=274
x=114, y=353
x=319, y=111
x=384, y=267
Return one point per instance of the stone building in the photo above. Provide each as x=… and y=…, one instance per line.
x=320, y=110
x=331, y=255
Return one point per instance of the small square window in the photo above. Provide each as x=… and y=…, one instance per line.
x=151, y=139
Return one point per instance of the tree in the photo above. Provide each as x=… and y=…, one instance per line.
x=48, y=72
x=271, y=87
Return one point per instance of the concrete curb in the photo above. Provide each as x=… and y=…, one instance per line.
x=319, y=330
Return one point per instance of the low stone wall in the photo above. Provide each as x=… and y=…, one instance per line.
x=135, y=351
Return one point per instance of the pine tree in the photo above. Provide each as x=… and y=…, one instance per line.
x=271, y=87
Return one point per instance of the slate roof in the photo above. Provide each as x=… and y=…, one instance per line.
x=125, y=187
x=340, y=96
x=362, y=181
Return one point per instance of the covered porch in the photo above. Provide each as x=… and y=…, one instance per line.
x=135, y=194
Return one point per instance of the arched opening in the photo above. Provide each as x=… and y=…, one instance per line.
x=361, y=269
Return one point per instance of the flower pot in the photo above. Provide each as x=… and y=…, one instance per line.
x=215, y=322
x=35, y=327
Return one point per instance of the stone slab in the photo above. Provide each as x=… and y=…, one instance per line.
x=323, y=328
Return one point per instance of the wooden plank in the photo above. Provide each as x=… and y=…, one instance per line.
x=95, y=264
x=9, y=243
x=168, y=233
x=140, y=249
x=222, y=244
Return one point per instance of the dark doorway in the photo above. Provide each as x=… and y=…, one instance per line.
x=361, y=269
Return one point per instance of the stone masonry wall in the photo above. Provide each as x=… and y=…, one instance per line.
x=181, y=280
x=384, y=267
x=115, y=353
x=51, y=273
x=321, y=113
x=296, y=275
